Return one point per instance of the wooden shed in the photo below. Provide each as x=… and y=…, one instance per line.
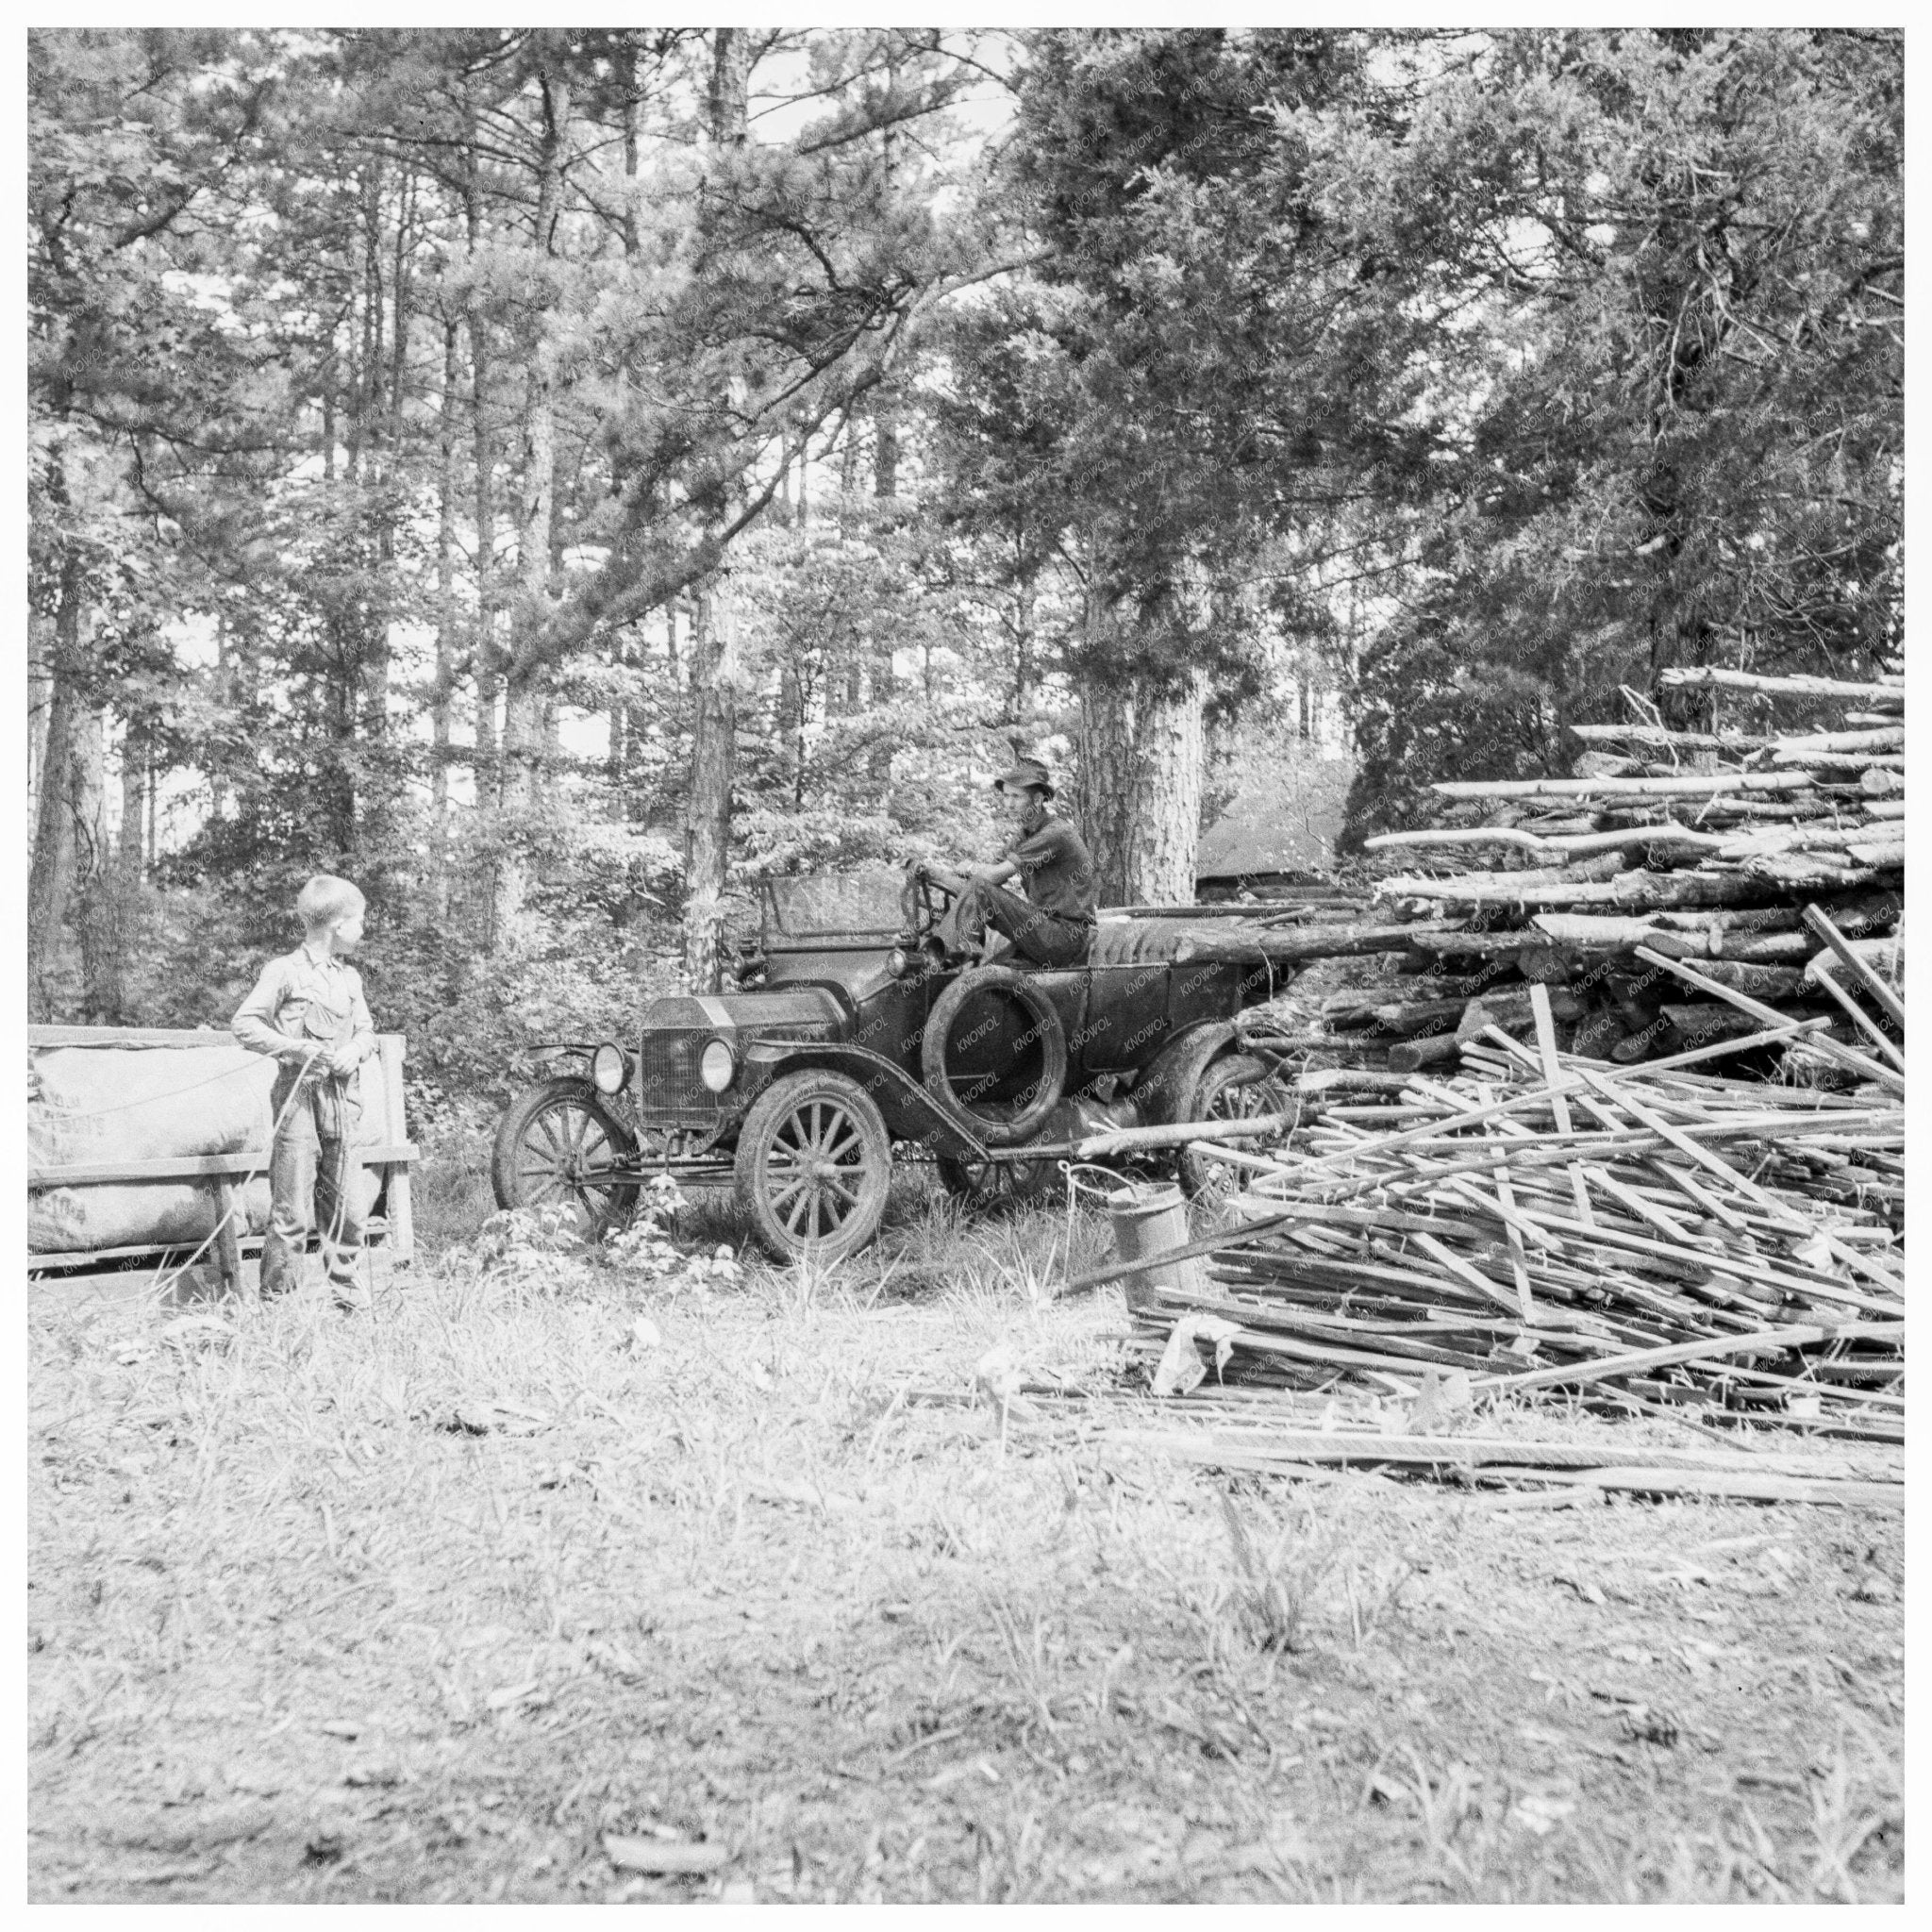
x=1278, y=835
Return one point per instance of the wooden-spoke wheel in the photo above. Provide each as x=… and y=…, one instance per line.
x=1235, y=1087
x=990, y=1185
x=814, y=1166
x=561, y=1146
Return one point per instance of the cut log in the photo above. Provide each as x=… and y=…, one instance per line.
x=1604, y=764
x=1802, y=872
x=1851, y=911
x=1689, y=786
x=1761, y=842
x=1880, y=783
x=1695, y=1023
x=1595, y=932
x=1885, y=956
x=1410, y=1056
x=1445, y=940
x=1549, y=965
x=1122, y=1139
x=1833, y=744
x=1296, y=947
x=1630, y=892
x=1409, y=1020
x=1770, y=949
x=1736, y=743
x=1341, y=1046
x=1515, y=1012
x=1356, y=1004
x=1711, y=677
x=1588, y=935
x=1320, y=1080
x=1557, y=850
x=1765, y=982
x=1887, y=856
x=1597, y=1034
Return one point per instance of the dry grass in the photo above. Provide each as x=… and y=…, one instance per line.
x=419, y=1607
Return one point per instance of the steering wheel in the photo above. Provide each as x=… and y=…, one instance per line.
x=922, y=885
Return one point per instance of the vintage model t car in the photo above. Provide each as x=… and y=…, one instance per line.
x=851, y=1042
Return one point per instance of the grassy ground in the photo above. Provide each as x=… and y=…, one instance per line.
x=421, y=1605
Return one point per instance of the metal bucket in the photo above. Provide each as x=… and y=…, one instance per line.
x=1150, y=1220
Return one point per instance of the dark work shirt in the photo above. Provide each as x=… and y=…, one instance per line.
x=1056, y=869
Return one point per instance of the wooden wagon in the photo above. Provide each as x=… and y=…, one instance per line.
x=228, y=1261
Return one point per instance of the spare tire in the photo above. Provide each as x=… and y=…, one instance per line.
x=991, y=1129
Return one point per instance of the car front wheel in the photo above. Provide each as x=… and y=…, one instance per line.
x=561, y=1146
x=814, y=1166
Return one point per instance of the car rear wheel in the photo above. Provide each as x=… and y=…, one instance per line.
x=814, y=1166
x=1235, y=1087
x=561, y=1146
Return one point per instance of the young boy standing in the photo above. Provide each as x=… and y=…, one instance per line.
x=307, y=1011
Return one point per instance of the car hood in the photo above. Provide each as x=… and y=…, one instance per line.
x=802, y=1012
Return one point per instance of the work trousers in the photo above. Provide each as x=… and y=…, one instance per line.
x=1047, y=938
x=313, y=1182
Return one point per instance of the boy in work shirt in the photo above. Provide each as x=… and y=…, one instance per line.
x=1053, y=926
x=307, y=1011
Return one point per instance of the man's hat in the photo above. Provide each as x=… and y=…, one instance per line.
x=1025, y=772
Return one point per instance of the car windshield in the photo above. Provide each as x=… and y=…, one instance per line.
x=824, y=904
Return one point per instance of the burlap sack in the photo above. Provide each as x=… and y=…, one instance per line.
x=126, y=1102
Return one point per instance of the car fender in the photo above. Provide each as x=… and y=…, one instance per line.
x=911, y=1113
x=1174, y=1072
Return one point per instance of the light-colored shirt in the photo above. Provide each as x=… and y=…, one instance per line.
x=305, y=1001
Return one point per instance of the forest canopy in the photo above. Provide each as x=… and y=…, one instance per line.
x=557, y=477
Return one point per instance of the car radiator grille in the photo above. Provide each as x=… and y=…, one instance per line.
x=668, y=1077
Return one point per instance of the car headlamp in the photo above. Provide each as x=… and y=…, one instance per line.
x=898, y=962
x=608, y=1066
x=717, y=1066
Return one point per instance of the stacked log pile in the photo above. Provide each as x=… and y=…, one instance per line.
x=1517, y=1167
x=1770, y=867
x=1656, y=1238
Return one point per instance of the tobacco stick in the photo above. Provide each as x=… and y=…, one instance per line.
x=1816, y=918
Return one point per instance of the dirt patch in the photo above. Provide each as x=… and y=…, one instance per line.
x=421, y=1607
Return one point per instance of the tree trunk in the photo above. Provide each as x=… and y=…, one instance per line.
x=1023, y=648
x=444, y=687
x=39, y=692
x=1143, y=760
x=884, y=417
x=714, y=721
x=486, y=666
x=130, y=849
x=66, y=840
x=110, y=905
x=714, y=734
x=525, y=687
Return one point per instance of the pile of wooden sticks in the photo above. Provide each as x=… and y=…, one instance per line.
x=1657, y=1238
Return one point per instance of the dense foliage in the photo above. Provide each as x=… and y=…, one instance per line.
x=1681, y=434
x=558, y=475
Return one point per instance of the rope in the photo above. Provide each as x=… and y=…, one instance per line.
x=163, y=1282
